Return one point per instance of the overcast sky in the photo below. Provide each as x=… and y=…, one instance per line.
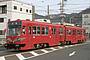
x=71, y=6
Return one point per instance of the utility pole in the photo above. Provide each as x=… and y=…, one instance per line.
x=48, y=11
x=33, y=12
x=70, y=20
x=62, y=6
x=61, y=11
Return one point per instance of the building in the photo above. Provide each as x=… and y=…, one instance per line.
x=86, y=20
x=12, y=10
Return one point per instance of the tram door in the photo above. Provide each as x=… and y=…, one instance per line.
x=61, y=34
x=29, y=35
x=54, y=38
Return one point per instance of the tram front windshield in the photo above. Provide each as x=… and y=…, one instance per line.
x=14, y=29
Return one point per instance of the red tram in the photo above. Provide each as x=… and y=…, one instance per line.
x=24, y=35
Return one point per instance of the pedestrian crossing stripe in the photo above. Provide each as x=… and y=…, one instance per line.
x=2, y=58
x=20, y=56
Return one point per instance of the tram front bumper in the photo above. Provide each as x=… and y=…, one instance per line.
x=14, y=46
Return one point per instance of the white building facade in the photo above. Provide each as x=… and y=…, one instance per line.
x=86, y=23
x=13, y=10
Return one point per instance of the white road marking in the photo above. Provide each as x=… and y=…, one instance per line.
x=35, y=54
x=60, y=47
x=71, y=54
x=53, y=49
x=66, y=46
x=2, y=58
x=70, y=45
x=45, y=51
x=20, y=56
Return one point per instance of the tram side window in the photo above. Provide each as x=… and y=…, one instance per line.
x=29, y=30
x=69, y=32
x=43, y=30
x=61, y=31
x=84, y=32
x=73, y=32
x=78, y=32
x=34, y=29
x=38, y=30
x=53, y=30
x=46, y=30
x=81, y=32
x=23, y=29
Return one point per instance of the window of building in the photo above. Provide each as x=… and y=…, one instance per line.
x=26, y=10
x=38, y=30
x=15, y=7
x=34, y=29
x=1, y=32
x=0, y=10
x=20, y=9
x=1, y=20
x=43, y=30
x=30, y=11
x=3, y=9
x=86, y=16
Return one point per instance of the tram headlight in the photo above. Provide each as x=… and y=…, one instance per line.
x=19, y=39
x=8, y=40
x=17, y=45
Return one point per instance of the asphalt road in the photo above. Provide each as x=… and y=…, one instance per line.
x=81, y=52
x=4, y=51
x=69, y=52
